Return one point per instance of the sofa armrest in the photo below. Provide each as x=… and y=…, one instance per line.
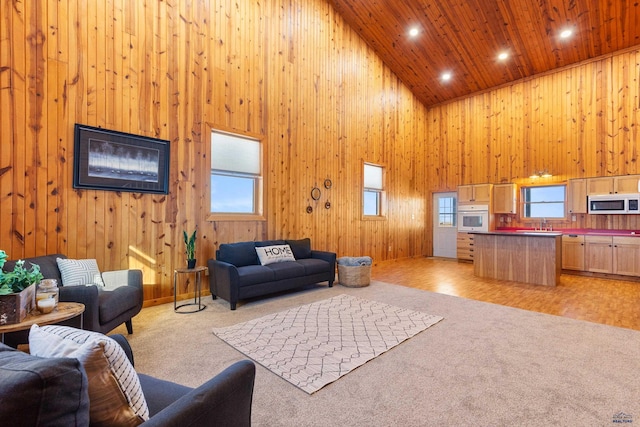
x=224, y=400
x=330, y=257
x=223, y=280
x=115, y=278
x=87, y=295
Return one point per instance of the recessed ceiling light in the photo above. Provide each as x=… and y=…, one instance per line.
x=446, y=76
x=502, y=56
x=565, y=34
x=414, y=32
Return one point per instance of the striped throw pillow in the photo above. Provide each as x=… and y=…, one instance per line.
x=115, y=394
x=75, y=272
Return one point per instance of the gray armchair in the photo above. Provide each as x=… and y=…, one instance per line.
x=224, y=401
x=106, y=307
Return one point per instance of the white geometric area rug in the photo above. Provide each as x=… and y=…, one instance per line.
x=315, y=344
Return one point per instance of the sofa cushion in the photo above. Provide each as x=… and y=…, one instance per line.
x=76, y=272
x=314, y=266
x=115, y=394
x=112, y=303
x=264, y=243
x=238, y=254
x=160, y=393
x=273, y=254
x=301, y=248
x=253, y=274
x=287, y=270
x=42, y=391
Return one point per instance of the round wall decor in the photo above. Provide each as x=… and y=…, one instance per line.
x=327, y=183
x=315, y=193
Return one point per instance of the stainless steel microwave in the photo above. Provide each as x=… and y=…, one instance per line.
x=614, y=204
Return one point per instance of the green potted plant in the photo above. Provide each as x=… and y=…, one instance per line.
x=190, y=244
x=17, y=295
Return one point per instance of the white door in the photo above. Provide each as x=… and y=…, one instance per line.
x=445, y=231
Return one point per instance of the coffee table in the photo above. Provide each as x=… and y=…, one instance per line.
x=64, y=311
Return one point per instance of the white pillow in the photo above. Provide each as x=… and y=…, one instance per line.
x=273, y=254
x=76, y=272
x=115, y=394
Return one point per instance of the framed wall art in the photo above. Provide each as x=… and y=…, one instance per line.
x=118, y=161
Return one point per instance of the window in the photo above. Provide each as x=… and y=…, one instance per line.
x=446, y=212
x=544, y=201
x=235, y=174
x=373, y=190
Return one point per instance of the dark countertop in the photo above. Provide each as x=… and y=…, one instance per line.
x=573, y=231
x=512, y=233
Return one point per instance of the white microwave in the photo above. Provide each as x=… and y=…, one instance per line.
x=614, y=204
x=473, y=218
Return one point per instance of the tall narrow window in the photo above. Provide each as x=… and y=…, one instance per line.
x=236, y=174
x=544, y=201
x=373, y=190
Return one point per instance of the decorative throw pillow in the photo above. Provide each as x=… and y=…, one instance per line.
x=273, y=254
x=76, y=272
x=115, y=394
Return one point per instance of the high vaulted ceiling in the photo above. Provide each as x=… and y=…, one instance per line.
x=464, y=37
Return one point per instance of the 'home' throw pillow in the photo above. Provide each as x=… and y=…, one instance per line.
x=115, y=394
x=273, y=254
x=76, y=272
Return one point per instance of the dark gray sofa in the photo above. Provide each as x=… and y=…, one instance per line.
x=38, y=391
x=104, y=309
x=237, y=274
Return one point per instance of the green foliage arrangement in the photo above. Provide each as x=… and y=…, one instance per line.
x=18, y=279
x=190, y=243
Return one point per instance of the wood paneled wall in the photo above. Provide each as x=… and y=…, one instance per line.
x=294, y=73
x=288, y=70
x=580, y=121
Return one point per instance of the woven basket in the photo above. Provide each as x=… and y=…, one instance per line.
x=354, y=277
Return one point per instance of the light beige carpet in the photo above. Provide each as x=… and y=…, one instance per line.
x=315, y=344
x=484, y=365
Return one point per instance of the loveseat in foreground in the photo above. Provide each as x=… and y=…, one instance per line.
x=237, y=273
x=59, y=391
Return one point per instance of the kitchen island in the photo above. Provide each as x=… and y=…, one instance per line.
x=530, y=257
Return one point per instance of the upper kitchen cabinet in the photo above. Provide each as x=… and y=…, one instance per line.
x=613, y=184
x=505, y=198
x=577, y=195
x=476, y=193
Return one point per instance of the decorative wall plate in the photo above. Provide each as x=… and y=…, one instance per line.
x=309, y=209
x=327, y=183
x=327, y=204
x=315, y=193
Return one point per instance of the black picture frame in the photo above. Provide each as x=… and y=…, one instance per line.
x=118, y=161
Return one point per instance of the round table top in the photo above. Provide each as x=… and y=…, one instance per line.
x=64, y=311
x=190, y=270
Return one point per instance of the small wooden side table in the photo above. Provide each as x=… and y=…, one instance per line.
x=197, y=297
x=64, y=311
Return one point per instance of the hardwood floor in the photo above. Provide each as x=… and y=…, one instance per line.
x=606, y=301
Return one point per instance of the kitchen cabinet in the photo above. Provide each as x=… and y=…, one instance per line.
x=465, y=247
x=475, y=193
x=505, y=198
x=577, y=195
x=573, y=252
x=622, y=184
x=599, y=253
x=626, y=255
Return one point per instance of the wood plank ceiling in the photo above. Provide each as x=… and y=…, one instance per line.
x=465, y=37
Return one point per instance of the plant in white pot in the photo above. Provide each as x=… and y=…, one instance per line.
x=190, y=245
x=17, y=293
